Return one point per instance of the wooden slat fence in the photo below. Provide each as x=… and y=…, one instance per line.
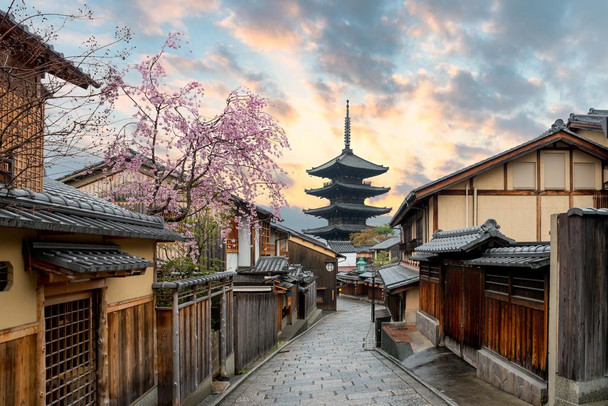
x=431, y=300
x=255, y=326
x=130, y=352
x=18, y=368
x=308, y=301
x=183, y=326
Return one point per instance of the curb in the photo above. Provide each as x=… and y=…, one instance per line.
x=431, y=388
x=238, y=382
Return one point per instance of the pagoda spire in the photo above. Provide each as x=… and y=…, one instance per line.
x=347, y=129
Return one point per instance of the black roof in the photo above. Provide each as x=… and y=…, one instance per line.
x=197, y=280
x=66, y=209
x=271, y=264
x=398, y=275
x=86, y=258
x=594, y=120
x=464, y=239
x=345, y=247
x=347, y=164
x=336, y=229
x=351, y=208
x=522, y=256
x=360, y=189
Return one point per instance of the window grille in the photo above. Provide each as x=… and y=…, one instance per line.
x=6, y=276
x=71, y=365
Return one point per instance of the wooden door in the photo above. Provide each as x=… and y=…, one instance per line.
x=463, y=305
x=71, y=350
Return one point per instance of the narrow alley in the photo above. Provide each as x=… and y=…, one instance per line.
x=329, y=366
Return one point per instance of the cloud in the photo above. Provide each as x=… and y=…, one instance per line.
x=154, y=15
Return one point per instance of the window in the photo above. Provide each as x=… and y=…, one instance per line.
x=524, y=175
x=584, y=175
x=6, y=276
x=555, y=170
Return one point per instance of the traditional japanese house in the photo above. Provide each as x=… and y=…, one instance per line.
x=314, y=256
x=347, y=212
x=401, y=296
x=485, y=297
x=391, y=246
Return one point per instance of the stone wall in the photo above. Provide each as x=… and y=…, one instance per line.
x=510, y=378
x=428, y=326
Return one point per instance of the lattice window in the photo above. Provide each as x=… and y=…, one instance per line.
x=71, y=364
x=6, y=276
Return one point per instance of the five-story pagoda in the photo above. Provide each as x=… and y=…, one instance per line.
x=347, y=212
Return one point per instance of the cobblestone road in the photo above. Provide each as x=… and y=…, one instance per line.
x=329, y=366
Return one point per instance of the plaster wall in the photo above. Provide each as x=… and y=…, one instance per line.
x=412, y=304
x=350, y=261
x=530, y=158
x=244, y=258
x=459, y=186
x=451, y=214
x=595, y=136
x=131, y=287
x=232, y=261
x=516, y=215
x=18, y=303
x=551, y=205
x=582, y=157
x=582, y=201
x=493, y=179
x=543, y=158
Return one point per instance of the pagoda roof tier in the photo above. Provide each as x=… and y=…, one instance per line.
x=352, y=208
x=336, y=232
x=347, y=164
x=331, y=188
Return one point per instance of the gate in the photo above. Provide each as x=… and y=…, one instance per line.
x=463, y=301
x=71, y=364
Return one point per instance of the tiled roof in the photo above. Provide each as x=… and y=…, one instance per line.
x=465, y=239
x=348, y=207
x=184, y=283
x=595, y=119
x=386, y=244
x=398, y=275
x=424, y=257
x=525, y=256
x=347, y=247
x=347, y=276
x=271, y=264
x=360, y=189
x=349, y=228
x=66, y=209
x=87, y=258
x=62, y=68
x=589, y=211
x=556, y=127
x=350, y=161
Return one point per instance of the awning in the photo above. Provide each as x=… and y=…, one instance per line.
x=77, y=259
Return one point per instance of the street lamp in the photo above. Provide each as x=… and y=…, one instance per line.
x=361, y=264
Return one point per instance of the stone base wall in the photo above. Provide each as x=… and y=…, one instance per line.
x=428, y=326
x=510, y=378
x=469, y=354
x=568, y=392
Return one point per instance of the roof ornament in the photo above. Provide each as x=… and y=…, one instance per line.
x=558, y=124
x=347, y=129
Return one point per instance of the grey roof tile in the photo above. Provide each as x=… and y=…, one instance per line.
x=524, y=256
x=271, y=264
x=351, y=161
x=66, y=209
x=398, y=275
x=348, y=207
x=589, y=211
x=87, y=258
x=386, y=244
x=465, y=239
x=184, y=283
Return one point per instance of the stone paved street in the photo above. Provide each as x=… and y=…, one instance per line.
x=329, y=366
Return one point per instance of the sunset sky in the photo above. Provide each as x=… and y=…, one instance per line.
x=433, y=85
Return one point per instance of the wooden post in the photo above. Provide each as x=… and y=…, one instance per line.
x=41, y=348
x=102, y=349
x=223, y=332
x=175, y=349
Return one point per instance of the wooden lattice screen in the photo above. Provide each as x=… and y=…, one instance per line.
x=71, y=352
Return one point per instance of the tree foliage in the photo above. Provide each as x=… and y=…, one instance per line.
x=372, y=235
x=198, y=164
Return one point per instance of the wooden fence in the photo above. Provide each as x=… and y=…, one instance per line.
x=308, y=301
x=255, y=326
x=183, y=327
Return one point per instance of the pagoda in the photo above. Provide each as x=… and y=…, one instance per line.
x=347, y=212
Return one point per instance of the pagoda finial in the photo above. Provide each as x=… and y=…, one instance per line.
x=347, y=128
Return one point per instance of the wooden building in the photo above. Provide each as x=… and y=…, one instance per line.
x=486, y=298
x=521, y=187
x=400, y=291
x=347, y=212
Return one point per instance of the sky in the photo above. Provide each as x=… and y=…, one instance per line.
x=433, y=85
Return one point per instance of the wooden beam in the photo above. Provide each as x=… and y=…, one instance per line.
x=15, y=333
x=103, y=369
x=124, y=304
x=40, y=347
x=435, y=213
x=176, y=381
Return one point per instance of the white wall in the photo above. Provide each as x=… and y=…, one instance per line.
x=244, y=247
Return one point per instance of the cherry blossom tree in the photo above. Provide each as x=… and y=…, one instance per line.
x=195, y=165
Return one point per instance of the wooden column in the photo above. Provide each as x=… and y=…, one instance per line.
x=175, y=348
x=102, y=349
x=41, y=348
x=223, y=332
